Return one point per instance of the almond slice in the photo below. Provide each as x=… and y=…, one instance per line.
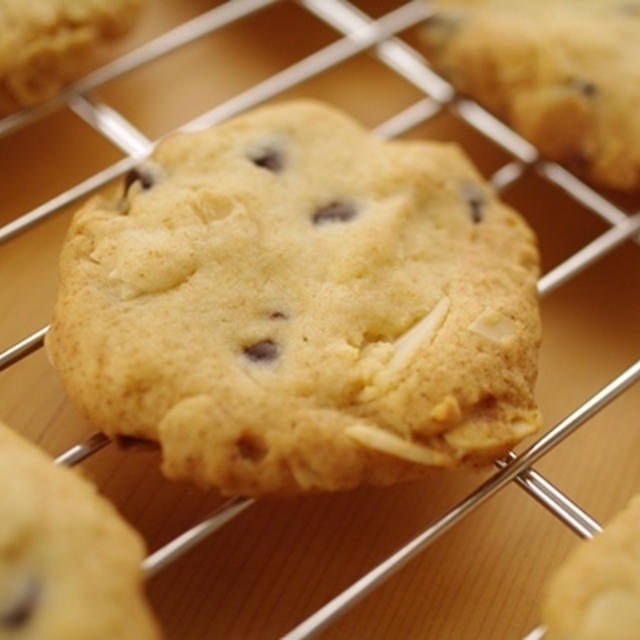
x=393, y=445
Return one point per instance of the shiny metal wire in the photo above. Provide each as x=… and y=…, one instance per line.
x=358, y=33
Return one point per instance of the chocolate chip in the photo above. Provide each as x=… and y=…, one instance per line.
x=278, y=315
x=22, y=610
x=262, y=351
x=140, y=175
x=335, y=212
x=269, y=159
x=475, y=201
x=251, y=447
x=486, y=403
x=129, y=443
x=586, y=88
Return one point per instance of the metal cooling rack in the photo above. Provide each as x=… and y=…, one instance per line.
x=358, y=33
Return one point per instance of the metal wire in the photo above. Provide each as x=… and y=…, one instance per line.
x=111, y=125
x=361, y=33
x=189, y=539
x=23, y=348
x=393, y=52
x=589, y=254
x=535, y=634
x=79, y=452
x=183, y=543
x=43, y=211
x=552, y=499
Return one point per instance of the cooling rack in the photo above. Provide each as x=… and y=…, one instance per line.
x=382, y=38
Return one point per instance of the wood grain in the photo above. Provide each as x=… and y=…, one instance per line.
x=281, y=560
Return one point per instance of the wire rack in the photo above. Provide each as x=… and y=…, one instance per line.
x=379, y=37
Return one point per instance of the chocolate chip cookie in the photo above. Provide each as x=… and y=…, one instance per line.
x=564, y=73
x=45, y=44
x=287, y=304
x=69, y=565
x=595, y=595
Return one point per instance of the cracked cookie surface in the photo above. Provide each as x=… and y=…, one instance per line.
x=595, y=595
x=288, y=304
x=564, y=73
x=44, y=44
x=69, y=565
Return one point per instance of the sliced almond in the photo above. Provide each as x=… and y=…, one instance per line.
x=494, y=326
x=419, y=334
x=393, y=445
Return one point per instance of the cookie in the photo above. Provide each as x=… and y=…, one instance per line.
x=288, y=304
x=44, y=44
x=69, y=565
x=564, y=73
x=595, y=595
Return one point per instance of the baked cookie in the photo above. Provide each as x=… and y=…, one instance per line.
x=595, y=595
x=286, y=304
x=45, y=44
x=69, y=566
x=564, y=73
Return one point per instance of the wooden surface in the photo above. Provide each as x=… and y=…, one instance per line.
x=281, y=560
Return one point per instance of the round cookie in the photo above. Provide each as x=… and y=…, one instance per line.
x=288, y=304
x=564, y=73
x=595, y=595
x=69, y=565
x=44, y=44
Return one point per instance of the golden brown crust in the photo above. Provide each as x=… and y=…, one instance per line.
x=595, y=595
x=69, y=565
x=44, y=44
x=564, y=73
x=292, y=305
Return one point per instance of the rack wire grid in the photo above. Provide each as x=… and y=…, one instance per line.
x=590, y=229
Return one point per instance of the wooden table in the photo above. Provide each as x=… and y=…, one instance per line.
x=281, y=560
